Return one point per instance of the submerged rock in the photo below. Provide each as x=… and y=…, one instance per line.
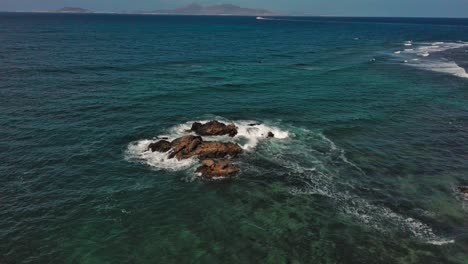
x=218, y=168
x=160, y=146
x=214, y=128
x=270, y=135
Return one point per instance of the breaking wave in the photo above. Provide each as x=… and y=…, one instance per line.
x=138, y=151
x=250, y=134
x=314, y=162
x=433, y=57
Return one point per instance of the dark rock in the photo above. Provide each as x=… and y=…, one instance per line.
x=218, y=168
x=463, y=189
x=214, y=128
x=270, y=135
x=253, y=124
x=190, y=146
x=160, y=146
x=210, y=149
x=183, y=146
x=196, y=126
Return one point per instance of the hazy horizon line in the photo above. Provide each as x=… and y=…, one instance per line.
x=222, y=15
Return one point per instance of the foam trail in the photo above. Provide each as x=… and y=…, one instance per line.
x=322, y=181
x=138, y=151
x=429, y=56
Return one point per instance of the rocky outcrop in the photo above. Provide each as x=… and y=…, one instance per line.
x=215, y=152
x=270, y=135
x=189, y=146
x=463, y=189
x=210, y=149
x=214, y=128
x=217, y=168
x=160, y=146
x=183, y=146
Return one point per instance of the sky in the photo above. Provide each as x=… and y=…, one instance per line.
x=401, y=8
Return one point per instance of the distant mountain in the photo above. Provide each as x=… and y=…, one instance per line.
x=215, y=10
x=73, y=10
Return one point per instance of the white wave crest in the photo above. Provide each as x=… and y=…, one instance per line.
x=252, y=131
x=138, y=151
x=250, y=134
x=438, y=63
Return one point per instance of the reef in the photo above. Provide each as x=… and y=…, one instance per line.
x=215, y=155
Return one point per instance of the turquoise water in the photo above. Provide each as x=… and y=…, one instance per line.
x=371, y=114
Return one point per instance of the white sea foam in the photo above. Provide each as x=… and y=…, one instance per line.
x=138, y=151
x=321, y=180
x=251, y=131
x=377, y=217
x=424, y=54
x=384, y=219
x=312, y=157
x=420, y=56
x=442, y=66
x=254, y=133
x=250, y=134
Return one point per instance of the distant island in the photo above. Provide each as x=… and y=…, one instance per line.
x=192, y=9
x=215, y=10
x=73, y=10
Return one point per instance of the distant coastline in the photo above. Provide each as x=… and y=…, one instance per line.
x=190, y=10
x=73, y=10
x=260, y=15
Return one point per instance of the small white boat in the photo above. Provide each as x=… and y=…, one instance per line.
x=260, y=18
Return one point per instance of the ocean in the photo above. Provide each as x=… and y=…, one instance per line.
x=370, y=117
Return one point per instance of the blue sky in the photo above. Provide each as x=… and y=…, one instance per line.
x=427, y=8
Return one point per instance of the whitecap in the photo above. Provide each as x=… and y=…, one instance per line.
x=431, y=58
x=250, y=134
x=138, y=151
x=255, y=132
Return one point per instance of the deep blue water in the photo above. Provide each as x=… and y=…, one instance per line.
x=372, y=113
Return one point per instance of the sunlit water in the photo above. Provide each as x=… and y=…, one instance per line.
x=370, y=118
